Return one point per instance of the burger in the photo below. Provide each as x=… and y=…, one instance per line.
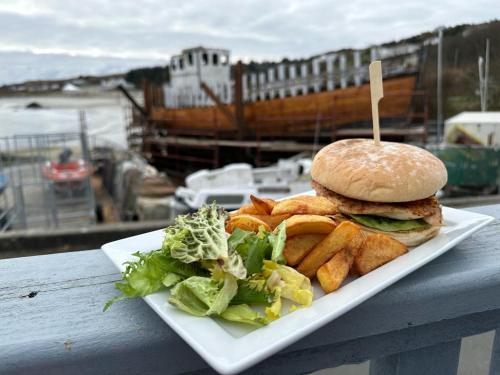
x=388, y=188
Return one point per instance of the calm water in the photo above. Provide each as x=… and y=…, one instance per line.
x=105, y=115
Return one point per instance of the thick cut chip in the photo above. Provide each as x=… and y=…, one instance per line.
x=272, y=220
x=297, y=247
x=245, y=209
x=336, y=241
x=308, y=224
x=377, y=250
x=333, y=273
x=263, y=206
x=354, y=246
x=246, y=222
x=305, y=205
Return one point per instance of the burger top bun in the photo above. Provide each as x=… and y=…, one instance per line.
x=389, y=172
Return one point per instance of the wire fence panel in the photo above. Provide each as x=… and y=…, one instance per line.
x=45, y=181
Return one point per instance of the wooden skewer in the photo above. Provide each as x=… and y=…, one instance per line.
x=377, y=93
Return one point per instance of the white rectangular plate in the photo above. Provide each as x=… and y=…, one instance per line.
x=239, y=347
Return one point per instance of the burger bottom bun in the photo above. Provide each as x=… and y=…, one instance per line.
x=409, y=238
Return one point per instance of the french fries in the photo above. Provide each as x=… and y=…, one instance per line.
x=297, y=247
x=246, y=209
x=377, y=249
x=315, y=244
x=263, y=206
x=326, y=249
x=246, y=222
x=333, y=273
x=272, y=220
x=305, y=205
x=307, y=224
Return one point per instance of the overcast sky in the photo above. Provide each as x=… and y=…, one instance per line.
x=152, y=30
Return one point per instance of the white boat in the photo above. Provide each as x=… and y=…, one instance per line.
x=232, y=185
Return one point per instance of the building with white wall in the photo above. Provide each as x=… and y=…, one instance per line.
x=189, y=69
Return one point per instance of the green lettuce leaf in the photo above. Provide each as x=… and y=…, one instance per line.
x=277, y=240
x=389, y=225
x=256, y=253
x=198, y=236
x=202, y=296
x=244, y=314
x=252, y=292
x=255, y=248
x=234, y=264
x=202, y=237
x=238, y=239
x=147, y=274
x=171, y=279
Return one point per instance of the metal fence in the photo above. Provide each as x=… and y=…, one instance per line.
x=31, y=200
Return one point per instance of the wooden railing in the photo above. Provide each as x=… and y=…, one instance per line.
x=51, y=320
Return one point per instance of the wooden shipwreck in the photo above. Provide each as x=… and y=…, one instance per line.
x=212, y=113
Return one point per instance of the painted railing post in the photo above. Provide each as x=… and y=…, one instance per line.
x=270, y=82
x=292, y=70
x=357, y=68
x=281, y=79
x=343, y=71
x=316, y=74
x=330, y=71
x=253, y=86
x=304, y=80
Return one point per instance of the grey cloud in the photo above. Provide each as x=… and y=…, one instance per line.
x=259, y=29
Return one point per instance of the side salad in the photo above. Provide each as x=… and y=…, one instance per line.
x=211, y=273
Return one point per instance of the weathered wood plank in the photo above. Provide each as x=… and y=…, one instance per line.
x=346, y=106
x=365, y=348
x=439, y=359
x=495, y=355
x=63, y=326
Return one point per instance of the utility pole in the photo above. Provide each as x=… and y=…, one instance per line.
x=484, y=70
x=480, y=63
x=486, y=74
x=439, y=122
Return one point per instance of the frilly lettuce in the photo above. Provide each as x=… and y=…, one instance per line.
x=210, y=273
x=202, y=237
x=150, y=273
x=203, y=296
